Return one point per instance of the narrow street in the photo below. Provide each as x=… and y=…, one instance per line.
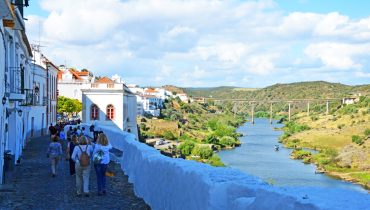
x=33, y=187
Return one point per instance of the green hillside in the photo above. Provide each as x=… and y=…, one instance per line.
x=299, y=90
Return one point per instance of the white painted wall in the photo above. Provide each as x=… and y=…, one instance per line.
x=2, y=89
x=175, y=183
x=102, y=100
x=72, y=90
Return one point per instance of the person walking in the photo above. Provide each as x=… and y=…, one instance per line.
x=69, y=133
x=53, y=131
x=70, y=148
x=54, y=153
x=101, y=161
x=81, y=155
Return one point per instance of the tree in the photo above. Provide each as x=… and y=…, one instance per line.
x=68, y=105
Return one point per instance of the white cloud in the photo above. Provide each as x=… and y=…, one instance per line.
x=338, y=55
x=200, y=42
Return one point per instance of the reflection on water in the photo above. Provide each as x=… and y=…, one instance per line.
x=257, y=156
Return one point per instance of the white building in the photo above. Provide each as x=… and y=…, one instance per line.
x=15, y=66
x=183, y=97
x=149, y=100
x=109, y=104
x=40, y=106
x=71, y=82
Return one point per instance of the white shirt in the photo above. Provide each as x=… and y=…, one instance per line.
x=77, y=152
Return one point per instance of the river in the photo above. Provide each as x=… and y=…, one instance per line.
x=257, y=156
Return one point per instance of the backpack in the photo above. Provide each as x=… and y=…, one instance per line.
x=98, y=157
x=84, y=158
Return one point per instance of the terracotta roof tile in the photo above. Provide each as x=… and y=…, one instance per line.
x=83, y=73
x=74, y=74
x=105, y=80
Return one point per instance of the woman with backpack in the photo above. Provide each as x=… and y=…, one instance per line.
x=54, y=153
x=81, y=155
x=101, y=161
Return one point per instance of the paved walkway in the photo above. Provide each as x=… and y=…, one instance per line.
x=32, y=186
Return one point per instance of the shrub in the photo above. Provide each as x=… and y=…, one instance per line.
x=367, y=132
x=227, y=141
x=215, y=160
x=169, y=135
x=296, y=128
x=301, y=154
x=212, y=139
x=340, y=126
x=186, y=148
x=357, y=139
x=203, y=152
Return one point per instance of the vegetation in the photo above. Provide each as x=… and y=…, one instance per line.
x=68, y=105
x=341, y=137
x=200, y=129
x=300, y=90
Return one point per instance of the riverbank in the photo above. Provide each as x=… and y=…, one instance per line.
x=341, y=139
x=199, y=130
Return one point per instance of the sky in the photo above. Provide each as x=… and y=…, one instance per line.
x=207, y=43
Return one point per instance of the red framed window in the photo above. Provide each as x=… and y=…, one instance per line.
x=94, y=110
x=110, y=112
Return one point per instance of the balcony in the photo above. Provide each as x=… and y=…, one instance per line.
x=44, y=101
x=14, y=84
x=28, y=101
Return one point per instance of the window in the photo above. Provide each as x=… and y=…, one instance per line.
x=110, y=112
x=94, y=111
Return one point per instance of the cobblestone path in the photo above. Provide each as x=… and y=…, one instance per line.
x=33, y=187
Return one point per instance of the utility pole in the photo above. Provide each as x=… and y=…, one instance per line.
x=289, y=112
x=252, y=113
x=327, y=107
x=308, y=109
x=271, y=113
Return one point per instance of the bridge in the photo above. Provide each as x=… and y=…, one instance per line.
x=239, y=105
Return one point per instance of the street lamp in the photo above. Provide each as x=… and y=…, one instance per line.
x=20, y=112
x=3, y=100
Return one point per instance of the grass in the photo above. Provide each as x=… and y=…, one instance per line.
x=362, y=177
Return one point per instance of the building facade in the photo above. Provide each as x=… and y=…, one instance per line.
x=24, y=89
x=15, y=61
x=109, y=104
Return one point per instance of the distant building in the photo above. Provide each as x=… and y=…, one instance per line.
x=349, y=100
x=108, y=103
x=70, y=82
x=183, y=97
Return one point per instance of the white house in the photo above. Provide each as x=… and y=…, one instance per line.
x=71, y=82
x=40, y=106
x=109, y=104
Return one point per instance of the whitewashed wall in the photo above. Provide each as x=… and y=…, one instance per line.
x=102, y=100
x=2, y=90
x=168, y=183
x=72, y=90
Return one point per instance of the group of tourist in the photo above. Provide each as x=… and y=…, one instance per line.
x=81, y=152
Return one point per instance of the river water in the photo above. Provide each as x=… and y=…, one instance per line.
x=257, y=156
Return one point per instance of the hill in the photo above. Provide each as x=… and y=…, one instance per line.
x=173, y=89
x=299, y=90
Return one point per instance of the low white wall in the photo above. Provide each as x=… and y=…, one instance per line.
x=167, y=183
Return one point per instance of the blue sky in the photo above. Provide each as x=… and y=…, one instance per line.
x=208, y=43
x=353, y=9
